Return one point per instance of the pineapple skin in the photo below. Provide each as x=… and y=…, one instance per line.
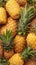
x=8, y=54
x=21, y=2
x=30, y=62
x=32, y=25
x=13, y=9
x=3, y=16
x=19, y=43
x=1, y=49
x=31, y=40
x=16, y=59
x=11, y=25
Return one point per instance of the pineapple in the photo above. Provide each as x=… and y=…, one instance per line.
x=31, y=37
x=13, y=9
x=27, y=14
x=23, y=27
x=30, y=62
x=33, y=25
x=7, y=44
x=31, y=40
x=16, y=60
x=3, y=16
x=19, y=43
x=19, y=58
x=11, y=25
x=21, y=2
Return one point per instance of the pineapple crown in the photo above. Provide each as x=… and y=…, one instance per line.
x=2, y=2
x=28, y=53
x=26, y=16
x=4, y=62
x=31, y=1
x=6, y=39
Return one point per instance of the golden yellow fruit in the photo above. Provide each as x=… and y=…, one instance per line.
x=11, y=25
x=21, y=2
x=16, y=59
x=19, y=43
x=3, y=16
x=31, y=40
x=13, y=9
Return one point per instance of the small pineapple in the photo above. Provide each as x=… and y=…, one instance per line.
x=31, y=37
x=11, y=25
x=3, y=16
x=18, y=59
x=19, y=43
x=7, y=44
x=21, y=2
x=13, y=9
x=31, y=40
x=23, y=27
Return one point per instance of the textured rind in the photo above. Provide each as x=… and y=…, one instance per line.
x=13, y=9
x=31, y=40
x=3, y=16
x=19, y=43
x=16, y=60
x=11, y=25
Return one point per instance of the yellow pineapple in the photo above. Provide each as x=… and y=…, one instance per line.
x=19, y=58
x=23, y=27
x=16, y=60
x=19, y=43
x=21, y=2
x=11, y=25
x=13, y=9
x=31, y=40
x=3, y=16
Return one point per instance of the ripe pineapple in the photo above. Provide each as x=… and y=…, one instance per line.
x=21, y=2
x=18, y=59
x=19, y=43
x=23, y=27
x=31, y=40
x=11, y=25
x=7, y=44
x=13, y=9
x=3, y=16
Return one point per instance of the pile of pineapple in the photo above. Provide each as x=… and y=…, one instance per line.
x=17, y=32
